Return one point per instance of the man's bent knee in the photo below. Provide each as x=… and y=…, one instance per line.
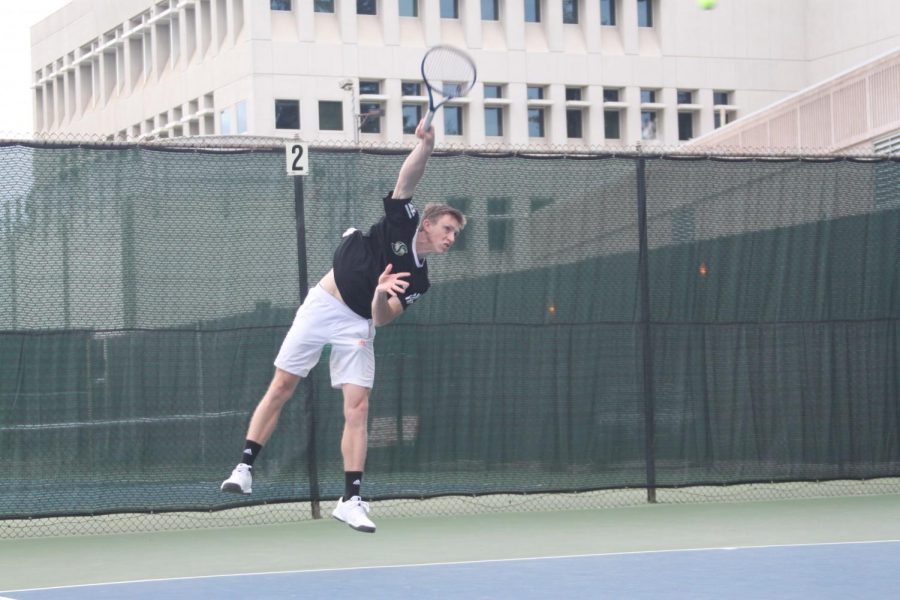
x=283, y=386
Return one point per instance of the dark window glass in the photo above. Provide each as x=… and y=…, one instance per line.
x=535, y=122
x=449, y=9
x=287, y=114
x=570, y=11
x=370, y=117
x=611, y=125
x=453, y=122
x=411, y=89
x=412, y=114
x=489, y=10
x=369, y=87
x=608, y=12
x=685, y=126
x=645, y=13
x=574, y=123
x=493, y=121
x=366, y=7
x=493, y=91
x=331, y=116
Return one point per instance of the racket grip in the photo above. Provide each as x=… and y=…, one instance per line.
x=428, y=118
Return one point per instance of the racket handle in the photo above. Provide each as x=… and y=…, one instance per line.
x=428, y=118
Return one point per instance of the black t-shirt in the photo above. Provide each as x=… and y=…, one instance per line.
x=360, y=259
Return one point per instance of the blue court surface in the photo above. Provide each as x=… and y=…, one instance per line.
x=809, y=571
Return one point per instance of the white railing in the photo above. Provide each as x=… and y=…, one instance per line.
x=846, y=112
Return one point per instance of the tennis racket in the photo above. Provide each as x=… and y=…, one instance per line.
x=448, y=73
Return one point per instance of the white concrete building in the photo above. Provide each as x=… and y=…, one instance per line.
x=563, y=73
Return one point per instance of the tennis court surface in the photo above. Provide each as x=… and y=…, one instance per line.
x=811, y=548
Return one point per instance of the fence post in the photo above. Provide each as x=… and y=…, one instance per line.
x=646, y=343
x=309, y=407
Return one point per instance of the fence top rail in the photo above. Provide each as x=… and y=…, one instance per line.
x=247, y=144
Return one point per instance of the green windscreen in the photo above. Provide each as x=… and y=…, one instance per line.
x=603, y=322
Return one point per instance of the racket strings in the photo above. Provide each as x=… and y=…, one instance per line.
x=454, y=71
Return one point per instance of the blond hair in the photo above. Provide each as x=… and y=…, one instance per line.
x=434, y=211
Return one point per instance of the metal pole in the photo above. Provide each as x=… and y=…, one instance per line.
x=309, y=407
x=646, y=342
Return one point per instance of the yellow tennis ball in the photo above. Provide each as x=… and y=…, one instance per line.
x=706, y=4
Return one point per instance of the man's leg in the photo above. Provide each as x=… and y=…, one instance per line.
x=354, y=442
x=265, y=417
x=262, y=424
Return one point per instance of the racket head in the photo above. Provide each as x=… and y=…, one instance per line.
x=448, y=72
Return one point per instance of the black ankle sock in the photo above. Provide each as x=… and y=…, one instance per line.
x=352, y=483
x=251, y=451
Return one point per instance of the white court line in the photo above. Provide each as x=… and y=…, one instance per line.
x=454, y=563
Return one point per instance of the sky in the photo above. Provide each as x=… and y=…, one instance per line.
x=16, y=20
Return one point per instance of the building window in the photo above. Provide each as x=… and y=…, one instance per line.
x=331, y=115
x=241, y=115
x=366, y=7
x=608, y=12
x=369, y=87
x=685, y=97
x=648, y=96
x=280, y=4
x=411, y=88
x=323, y=6
x=645, y=13
x=685, y=126
x=610, y=95
x=648, y=125
x=536, y=122
x=535, y=92
x=449, y=9
x=370, y=117
x=721, y=114
x=570, y=11
x=409, y=8
x=574, y=118
x=287, y=114
x=453, y=120
x=225, y=122
x=492, y=90
x=611, y=127
x=532, y=11
x=500, y=224
x=412, y=114
x=493, y=121
x=490, y=11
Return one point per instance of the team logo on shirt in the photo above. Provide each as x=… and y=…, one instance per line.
x=412, y=298
x=399, y=248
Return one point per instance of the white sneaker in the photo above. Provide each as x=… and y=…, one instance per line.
x=355, y=513
x=240, y=482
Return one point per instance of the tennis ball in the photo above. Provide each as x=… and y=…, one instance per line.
x=706, y=4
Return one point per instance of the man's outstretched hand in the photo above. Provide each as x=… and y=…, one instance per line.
x=392, y=284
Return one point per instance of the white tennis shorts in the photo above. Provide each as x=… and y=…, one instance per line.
x=323, y=319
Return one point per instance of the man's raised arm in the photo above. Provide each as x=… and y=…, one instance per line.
x=414, y=166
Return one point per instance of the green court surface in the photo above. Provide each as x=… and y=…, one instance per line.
x=327, y=544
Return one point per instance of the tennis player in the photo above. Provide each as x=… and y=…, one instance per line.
x=374, y=278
